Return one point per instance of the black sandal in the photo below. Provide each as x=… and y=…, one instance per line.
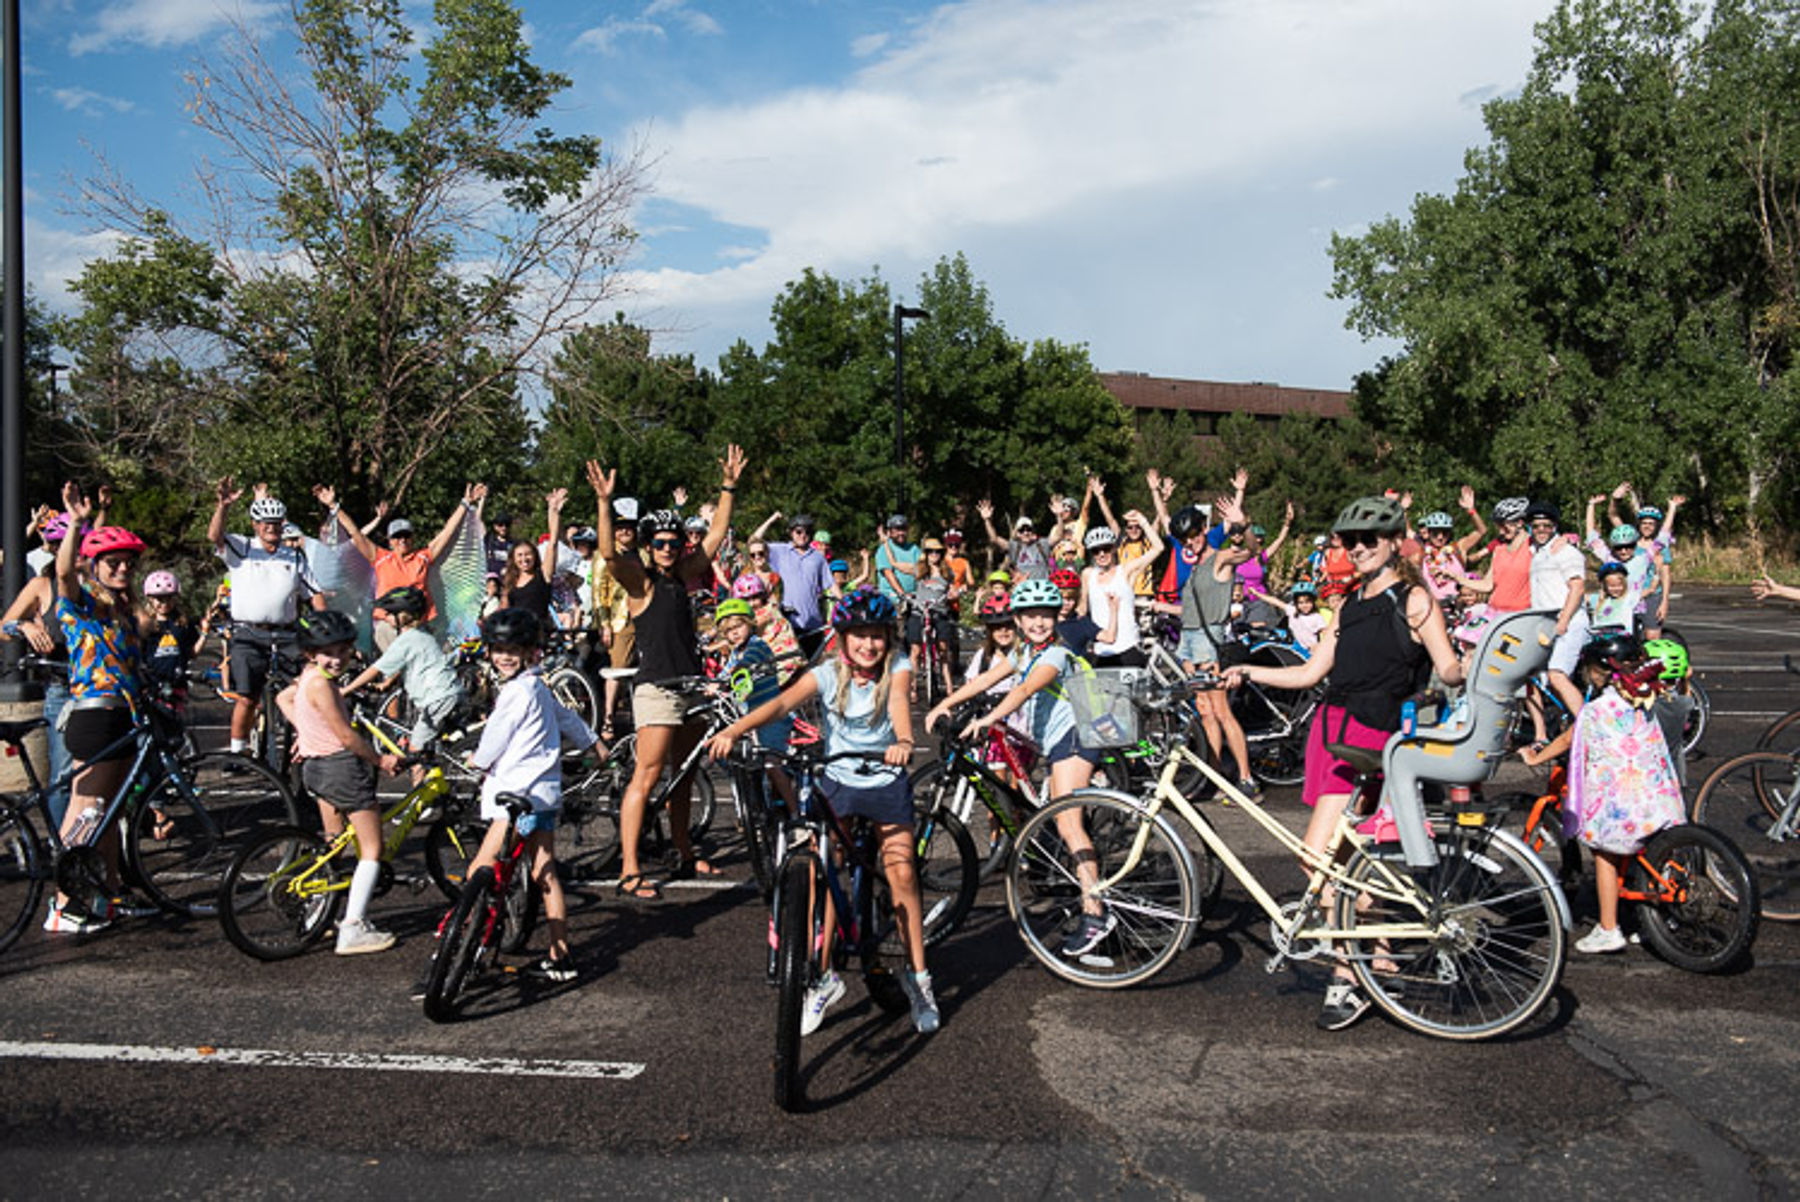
x=633, y=886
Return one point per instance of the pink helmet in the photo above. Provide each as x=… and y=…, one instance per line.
x=161, y=584
x=55, y=528
x=109, y=539
x=749, y=585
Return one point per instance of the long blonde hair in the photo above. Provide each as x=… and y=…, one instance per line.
x=840, y=700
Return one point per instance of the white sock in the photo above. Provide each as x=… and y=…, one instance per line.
x=362, y=888
x=239, y=746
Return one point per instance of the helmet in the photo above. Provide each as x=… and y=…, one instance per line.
x=696, y=525
x=837, y=565
x=864, y=607
x=896, y=521
x=1623, y=536
x=1511, y=509
x=823, y=538
x=55, y=528
x=1304, y=588
x=749, y=585
x=267, y=509
x=1188, y=521
x=325, y=628
x=1036, y=594
x=1671, y=655
x=1437, y=519
x=1543, y=510
x=108, y=539
x=584, y=534
x=1065, y=578
x=161, y=584
x=659, y=521
x=997, y=611
x=803, y=521
x=1612, y=568
x=1378, y=515
x=953, y=537
x=512, y=627
x=1613, y=646
x=289, y=530
x=931, y=544
x=734, y=608
x=1259, y=532
x=999, y=576
x=1099, y=538
x=1319, y=540
x=404, y=600
x=1651, y=512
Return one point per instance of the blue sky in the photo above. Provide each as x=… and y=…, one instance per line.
x=1156, y=179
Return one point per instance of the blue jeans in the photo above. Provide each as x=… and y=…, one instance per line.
x=56, y=695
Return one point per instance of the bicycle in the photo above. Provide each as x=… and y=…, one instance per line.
x=816, y=846
x=1477, y=939
x=1783, y=734
x=1754, y=799
x=1274, y=721
x=477, y=927
x=568, y=682
x=182, y=819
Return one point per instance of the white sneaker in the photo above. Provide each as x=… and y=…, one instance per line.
x=917, y=986
x=69, y=921
x=820, y=998
x=1601, y=940
x=359, y=938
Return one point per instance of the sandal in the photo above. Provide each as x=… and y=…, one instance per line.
x=689, y=869
x=633, y=886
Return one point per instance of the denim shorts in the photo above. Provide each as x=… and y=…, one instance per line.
x=1196, y=647
x=537, y=820
x=1069, y=748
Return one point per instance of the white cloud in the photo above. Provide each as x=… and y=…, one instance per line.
x=160, y=23
x=653, y=21
x=1004, y=120
x=57, y=256
x=82, y=100
x=868, y=44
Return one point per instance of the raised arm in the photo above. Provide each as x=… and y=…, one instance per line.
x=327, y=497
x=762, y=531
x=731, y=468
x=554, y=500
x=1469, y=542
x=1287, y=524
x=381, y=511
x=473, y=495
x=68, y=572
x=225, y=495
x=1161, y=488
x=627, y=570
x=1097, y=492
x=1138, y=563
x=985, y=509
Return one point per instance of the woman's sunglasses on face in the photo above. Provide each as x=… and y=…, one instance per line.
x=665, y=544
x=1362, y=538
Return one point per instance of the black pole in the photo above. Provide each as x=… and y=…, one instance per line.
x=901, y=312
x=12, y=375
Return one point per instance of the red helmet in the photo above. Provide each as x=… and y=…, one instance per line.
x=1065, y=578
x=997, y=611
x=108, y=539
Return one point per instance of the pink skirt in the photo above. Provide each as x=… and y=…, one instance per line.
x=1326, y=775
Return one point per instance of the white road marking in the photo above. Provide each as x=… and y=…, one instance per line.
x=1689, y=623
x=125, y=1053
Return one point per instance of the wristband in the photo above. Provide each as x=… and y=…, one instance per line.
x=727, y=488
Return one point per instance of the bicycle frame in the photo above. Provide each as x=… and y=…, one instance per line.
x=1667, y=891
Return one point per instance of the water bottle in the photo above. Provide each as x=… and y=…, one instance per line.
x=1409, y=718
x=84, y=826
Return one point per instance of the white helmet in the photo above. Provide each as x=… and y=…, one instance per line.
x=267, y=509
x=1100, y=537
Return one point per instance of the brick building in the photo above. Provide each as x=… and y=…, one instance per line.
x=1209, y=401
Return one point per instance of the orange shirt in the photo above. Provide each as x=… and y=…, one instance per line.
x=961, y=575
x=392, y=572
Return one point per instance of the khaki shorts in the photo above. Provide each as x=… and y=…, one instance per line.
x=653, y=705
x=624, y=645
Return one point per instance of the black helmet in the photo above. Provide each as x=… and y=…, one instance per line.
x=659, y=521
x=1188, y=521
x=804, y=521
x=896, y=521
x=1539, y=510
x=1371, y=515
x=1612, y=646
x=404, y=600
x=325, y=628
x=512, y=628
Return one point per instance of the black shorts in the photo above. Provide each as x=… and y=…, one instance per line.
x=89, y=732
x=251, y=651
x=343, y=778
x=890, y=803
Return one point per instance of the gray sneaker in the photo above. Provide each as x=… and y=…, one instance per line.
x=1093, y=928
x=1343, y=1006
x=917, y=987
x=359, y=939
x=820, y=998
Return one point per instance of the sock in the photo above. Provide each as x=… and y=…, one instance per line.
x=239, y=746
x=362, y=888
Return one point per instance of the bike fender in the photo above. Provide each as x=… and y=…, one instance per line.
x=1518, y=844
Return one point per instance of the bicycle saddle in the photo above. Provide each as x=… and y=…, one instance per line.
x=1363, y=759
x=15, y=732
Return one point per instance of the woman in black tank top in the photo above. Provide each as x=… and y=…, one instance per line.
x=1371, y=659
x=657, y=595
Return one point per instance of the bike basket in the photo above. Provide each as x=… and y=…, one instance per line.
x=1103, y=699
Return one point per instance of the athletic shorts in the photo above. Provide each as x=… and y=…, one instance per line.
x=1326, y=775
x=653, y=705
x=250, y=653
x=88, y=732
x=343, y=778
x=891, y=803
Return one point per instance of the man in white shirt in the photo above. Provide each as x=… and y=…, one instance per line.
x=1558, y=579
x=268, y=583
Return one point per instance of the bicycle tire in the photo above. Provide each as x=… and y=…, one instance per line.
x=1503, y=945
x=180, y=841
x=23, y=869
x=577, y=691
x=265, y=907
x=1754, y=801
x=1694, y=729
x=949, y=876
x=519, y=909
x=965, y=800
x=794, y=925
x=1154, y=906
x=1711, y=922
x=587, y=834
x=1781, y=735
x=459, y=947
x=450, y=843
x=749, y=793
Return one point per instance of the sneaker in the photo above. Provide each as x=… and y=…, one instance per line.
x=917, y=987
x=1601, y=940
x=1249, y=788
x=131, y=905
x=820, y=998
x=67, y=920
x=1343, y=1006
x=547, y=969
x=359, y=938
x=1093, y=928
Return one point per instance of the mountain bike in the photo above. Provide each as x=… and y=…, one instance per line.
x=1754, y=800
x=475, y=930
x=818, y=849
x=1783, y=734
x=1476, y=942
x=1691, y=890
x=181, y=819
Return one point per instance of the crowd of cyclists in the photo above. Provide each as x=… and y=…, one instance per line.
x=655, y=595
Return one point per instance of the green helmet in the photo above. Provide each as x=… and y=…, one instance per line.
x=734, y=608
x=1622, y=536
x=1374, y=515
x=1672, y=655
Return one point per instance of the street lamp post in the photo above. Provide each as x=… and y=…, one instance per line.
x=901, y=313
x=12, y=358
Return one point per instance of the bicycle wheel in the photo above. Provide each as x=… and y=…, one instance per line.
x=280, y=894
x=1500, y=943
x=244, y=795
x=459, y=948
x=1783, y=735
x=1152, y=905
x=23, y=867
x=793, y=971
x=587, y=834
x=576, y=690
x=967, y=800
x=1702, y=913
x=948, y=873
x=518, y=914
x=1694, y=729
x=180, y=840
x=450, y=844
x=1754, y=801
x=749, y=794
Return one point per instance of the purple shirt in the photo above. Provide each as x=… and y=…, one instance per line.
x=805, y=575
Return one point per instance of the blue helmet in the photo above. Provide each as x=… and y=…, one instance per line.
x=864, y=607
x=1035, y=594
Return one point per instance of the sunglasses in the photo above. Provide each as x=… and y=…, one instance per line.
x=665, y=544
x=1362, y=538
